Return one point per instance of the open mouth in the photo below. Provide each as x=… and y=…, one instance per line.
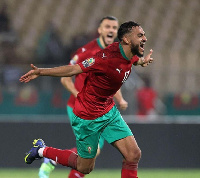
x=142, y=45
x=110, y=35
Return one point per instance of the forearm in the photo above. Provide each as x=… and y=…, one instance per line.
x=69, y=85
x=61, y=71
x=118, y=96
x=122, y=103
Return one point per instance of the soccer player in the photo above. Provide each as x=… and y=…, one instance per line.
x=95, y=113
x=107, y=30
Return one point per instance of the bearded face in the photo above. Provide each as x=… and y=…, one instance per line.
x=135, y=49
x=137, y=41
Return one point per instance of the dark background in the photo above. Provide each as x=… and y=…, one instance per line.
x=162, y=145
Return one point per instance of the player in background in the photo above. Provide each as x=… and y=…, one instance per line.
x=95, y=113
x=107, y=31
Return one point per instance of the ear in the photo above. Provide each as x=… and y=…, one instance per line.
x=126, y=40
x=99, y=30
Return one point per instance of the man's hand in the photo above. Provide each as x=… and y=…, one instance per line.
x=32, y=74
x=123, y=105
x=147, y=59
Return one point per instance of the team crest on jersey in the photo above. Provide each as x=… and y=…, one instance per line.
x=88, y=62
x=89, y=148
x=74, y=60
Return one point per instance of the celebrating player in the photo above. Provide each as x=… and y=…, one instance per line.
x=95, y=113
x=107, y=33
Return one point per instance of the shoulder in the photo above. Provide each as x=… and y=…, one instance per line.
x=109, y=52
x=85, y=52
x=89, y=46
x=86, y=47
x=113, y=47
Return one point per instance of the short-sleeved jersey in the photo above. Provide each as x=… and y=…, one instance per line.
x=107, y=71
x=81, y=54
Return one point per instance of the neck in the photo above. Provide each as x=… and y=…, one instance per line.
x=102, y=42
x=127, y=50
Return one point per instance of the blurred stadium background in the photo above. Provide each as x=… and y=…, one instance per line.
x=47, y=32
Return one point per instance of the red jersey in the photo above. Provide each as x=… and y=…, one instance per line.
x=81, y=54
x=146, y=100
x=107, y=71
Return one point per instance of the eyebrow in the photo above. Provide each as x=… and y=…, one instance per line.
x=142, y=34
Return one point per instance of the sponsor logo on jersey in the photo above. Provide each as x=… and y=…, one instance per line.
x=119, y=70
x=74, y=60
x=83, y=50
x=88, y=62
x=126, y=75
x=104, y=56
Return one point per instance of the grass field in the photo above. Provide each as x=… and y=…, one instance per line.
x=143, y=173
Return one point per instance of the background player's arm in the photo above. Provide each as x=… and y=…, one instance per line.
x=122, y=103
x=62, y=71
x=68, y=83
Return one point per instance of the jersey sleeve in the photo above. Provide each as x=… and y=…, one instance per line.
x=135, y=59
x=93, y=64
x=79, y=57
x=74, y=60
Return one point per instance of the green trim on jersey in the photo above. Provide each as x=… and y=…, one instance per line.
x=98, y=42
x=122, y=51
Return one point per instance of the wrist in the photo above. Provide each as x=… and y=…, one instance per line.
x=75, y=94
x=142, y=61
x=39, y=72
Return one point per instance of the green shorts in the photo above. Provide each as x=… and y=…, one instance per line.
x=71, y=115
x=110, y=126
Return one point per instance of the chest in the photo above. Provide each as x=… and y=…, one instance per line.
x=118, y=71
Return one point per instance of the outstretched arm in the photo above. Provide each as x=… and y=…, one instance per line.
x=69, y=85
x=62, y=71
x=122, y=103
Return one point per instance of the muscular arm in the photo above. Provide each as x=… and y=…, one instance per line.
x=122, y=103
x=69, y=85
x=62, y=71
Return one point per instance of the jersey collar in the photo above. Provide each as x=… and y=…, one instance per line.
x=122, y=52
x=98, y=42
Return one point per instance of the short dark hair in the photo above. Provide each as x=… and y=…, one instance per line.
x=109, y=18
x=126, y=28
